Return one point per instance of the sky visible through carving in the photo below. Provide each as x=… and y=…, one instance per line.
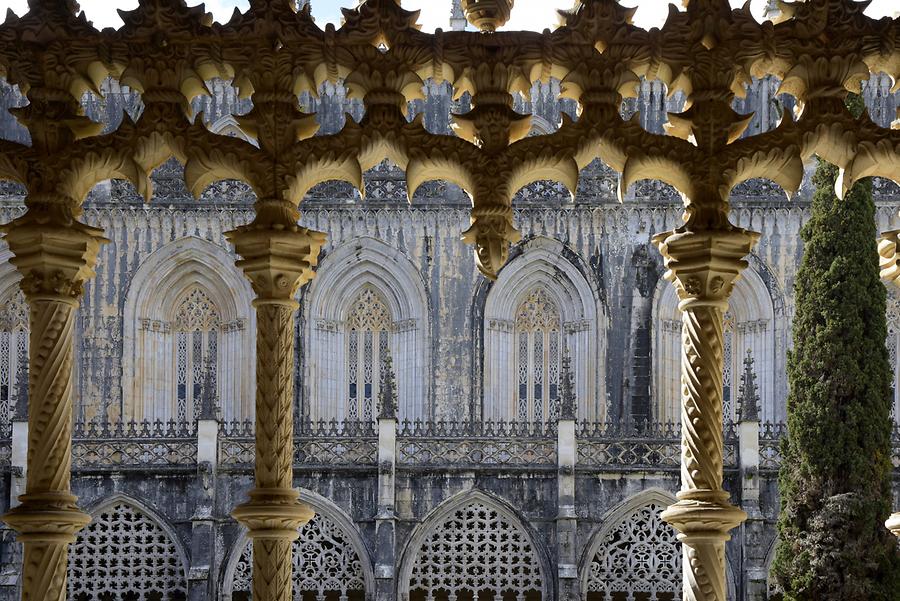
x=529, y=14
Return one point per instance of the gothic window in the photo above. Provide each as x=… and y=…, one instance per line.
x=196, y=328
x=325, y=565
x=13, y=351
x=538, y=341
x=729, y=390
x=368, y=332
x=893, y=327
x=638, y=560
x=123, y=554
x=476, y=553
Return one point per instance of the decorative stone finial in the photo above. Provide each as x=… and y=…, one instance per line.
x=457, y=17
x=387, y=395
x=568, y=400
x=487, y=15
x=749, y=393
x=209, y=399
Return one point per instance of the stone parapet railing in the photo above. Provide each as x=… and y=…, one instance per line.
x=316, y=444
x=770, y=440
x=642, y=446
x=476, y=445
x=135, y=445
x=607, y=446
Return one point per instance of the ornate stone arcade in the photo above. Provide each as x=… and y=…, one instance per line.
x=166, y=51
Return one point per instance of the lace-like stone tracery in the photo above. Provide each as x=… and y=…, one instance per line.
x=537, y=358
x=197, y=324
x=324, y=561
x=368, y=331
x=476, y=551
x=13, y=351
x=124, y=554
x=639, y=560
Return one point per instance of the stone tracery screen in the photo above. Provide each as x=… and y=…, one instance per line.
x=197, y=324
x=325, y=565
x=368, y=339
x=123, y=554
x=476, y=552
x=638, y=560
x=538, y=351
x=13, y=350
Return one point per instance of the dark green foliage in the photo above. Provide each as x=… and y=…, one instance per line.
x=836, y=469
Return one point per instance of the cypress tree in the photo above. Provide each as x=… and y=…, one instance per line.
x=835, y=477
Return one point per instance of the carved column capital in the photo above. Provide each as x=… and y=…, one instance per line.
x=893, y=524
x=705, y=264
x=55, y=255
x=277, y=261
x=278, y=257
x=55, y=259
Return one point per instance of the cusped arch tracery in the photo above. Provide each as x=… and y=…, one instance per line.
x=167, y=348
x=541, y=284
x=126, y=552
x=472, y=545
x=367, y=299
x=635, y=555
x=14, y=327
x=751, y=327
x=329, y=559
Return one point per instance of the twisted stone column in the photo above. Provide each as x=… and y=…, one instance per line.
x=703, y=265
x=55, y=260
x=277, y=262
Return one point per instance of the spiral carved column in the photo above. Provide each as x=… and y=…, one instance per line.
x=703, y=266
x=277, y=262
x=54, y=260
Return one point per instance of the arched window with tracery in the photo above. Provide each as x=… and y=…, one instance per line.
x=13, y=351
x=368, y=340
x=476, y=552
x=124, y=554
x=729, y=390
x=892, y=343
x=325, y=565
x=538, y=356
x=196, y=325
x=638, y=559
x=750, y=324
x=542, y=306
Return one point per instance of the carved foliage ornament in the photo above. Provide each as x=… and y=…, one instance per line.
x=820, y=49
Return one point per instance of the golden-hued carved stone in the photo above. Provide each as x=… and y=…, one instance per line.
x=168, y=51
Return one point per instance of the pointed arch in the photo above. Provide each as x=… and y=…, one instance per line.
x=344, y=543
x=633, y=551
x=547, y=268
x=350, y=271
x=128, y=548
x=751, y=324
x=150, y=362
x=457, y=534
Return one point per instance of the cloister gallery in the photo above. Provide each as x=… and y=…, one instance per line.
x=590, y=406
